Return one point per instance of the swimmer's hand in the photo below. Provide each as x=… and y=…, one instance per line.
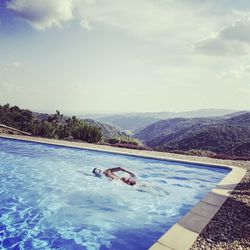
x=133, y=175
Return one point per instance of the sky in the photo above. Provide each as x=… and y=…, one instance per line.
x=115, y=56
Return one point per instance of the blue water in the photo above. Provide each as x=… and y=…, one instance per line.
x=48, y=202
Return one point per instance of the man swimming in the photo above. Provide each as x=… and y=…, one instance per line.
x=112, y=176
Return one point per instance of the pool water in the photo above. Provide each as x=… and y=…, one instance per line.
x=50, y=200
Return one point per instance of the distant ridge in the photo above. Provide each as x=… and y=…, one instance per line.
x=108, y=131
x=228, y=135
x=133, y=121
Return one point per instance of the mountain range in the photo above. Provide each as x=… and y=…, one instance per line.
x=227, y=135
x=216, y=136
x=131, y=122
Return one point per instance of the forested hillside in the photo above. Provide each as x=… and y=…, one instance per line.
x=229, y=137
x=54, y=126
x=59, y=126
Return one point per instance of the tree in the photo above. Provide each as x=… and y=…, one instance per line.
x=55, y=126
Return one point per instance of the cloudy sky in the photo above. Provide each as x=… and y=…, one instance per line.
x=94, y=56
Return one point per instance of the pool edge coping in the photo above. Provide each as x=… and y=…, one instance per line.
x=185, y=231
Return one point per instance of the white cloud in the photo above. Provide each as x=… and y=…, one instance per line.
x=16, y=64
x=141, y=17
x=7, y=86
x=126, y=34
x=245, y=90
x=147, y=18
x=161, y=21
x=42, y=14
x=88, y=1
x=140, y=61
x=238, y=71
x=221, y=47
x=231, y=40
x=239, y=31
x=9, y=66
x=86, y=25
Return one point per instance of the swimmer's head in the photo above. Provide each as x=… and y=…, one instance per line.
x=97, y=172
x=129, y=181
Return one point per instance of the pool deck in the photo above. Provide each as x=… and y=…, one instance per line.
x=183, y=234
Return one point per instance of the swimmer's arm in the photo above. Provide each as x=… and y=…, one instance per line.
x=124, y=170
x=121, y=169
x=109, y=173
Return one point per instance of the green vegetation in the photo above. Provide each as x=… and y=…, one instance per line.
x=126, y=142
x=58, y=126
x=124, y=139
x=16, y=118
x=54, y=126
x=108, y=131
x=228, y=137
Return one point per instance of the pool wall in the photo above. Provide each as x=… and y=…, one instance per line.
x=183, y=234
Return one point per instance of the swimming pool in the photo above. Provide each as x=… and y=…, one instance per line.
x=48, y=202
